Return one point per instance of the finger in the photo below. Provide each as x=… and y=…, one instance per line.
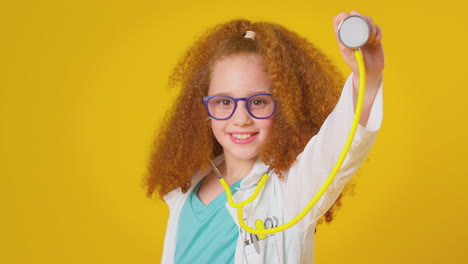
x=337, y=20
x=378, y=36
x=356, y=13
x=336, y=23
x=373, y=30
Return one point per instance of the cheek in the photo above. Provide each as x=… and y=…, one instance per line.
x=217, y=127
x=267, y=126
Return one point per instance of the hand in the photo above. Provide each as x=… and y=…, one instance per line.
x=372, y=52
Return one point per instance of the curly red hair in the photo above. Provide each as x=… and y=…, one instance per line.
x=303, y=79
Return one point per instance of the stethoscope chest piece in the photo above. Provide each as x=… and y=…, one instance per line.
x=353, y=32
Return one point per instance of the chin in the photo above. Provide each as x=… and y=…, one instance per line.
x=244, y=155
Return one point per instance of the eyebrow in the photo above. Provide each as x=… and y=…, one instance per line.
x=250, y=94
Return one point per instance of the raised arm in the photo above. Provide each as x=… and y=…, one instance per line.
x=373, y=58
x=315, y=163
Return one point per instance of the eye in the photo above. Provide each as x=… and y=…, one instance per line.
x=224, y=102
x=258, y=102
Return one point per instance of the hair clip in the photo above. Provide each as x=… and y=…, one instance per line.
x=249, y=34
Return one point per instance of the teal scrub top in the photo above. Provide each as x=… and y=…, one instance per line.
x=206, y=233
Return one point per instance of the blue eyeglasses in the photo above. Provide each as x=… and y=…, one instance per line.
x=222, y=107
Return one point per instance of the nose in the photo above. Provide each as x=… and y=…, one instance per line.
x=241, y=116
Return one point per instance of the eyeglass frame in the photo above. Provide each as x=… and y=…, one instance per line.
x=205, y=100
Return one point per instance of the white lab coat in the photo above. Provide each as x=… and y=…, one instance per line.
x=281, y=200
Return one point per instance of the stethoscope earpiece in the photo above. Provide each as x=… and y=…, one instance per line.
x=354, y=32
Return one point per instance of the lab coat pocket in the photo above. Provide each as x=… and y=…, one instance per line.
x=258, y=250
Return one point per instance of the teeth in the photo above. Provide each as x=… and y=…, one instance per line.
x=242, y=136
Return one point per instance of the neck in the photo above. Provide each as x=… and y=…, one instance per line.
x=234, y=169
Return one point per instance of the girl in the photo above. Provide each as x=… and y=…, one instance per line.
x=256, y=96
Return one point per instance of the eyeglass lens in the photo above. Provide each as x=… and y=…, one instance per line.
x=260, y=106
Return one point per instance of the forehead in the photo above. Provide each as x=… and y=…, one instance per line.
x=240, y=75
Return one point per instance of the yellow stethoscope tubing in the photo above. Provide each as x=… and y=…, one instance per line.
x=331, y=177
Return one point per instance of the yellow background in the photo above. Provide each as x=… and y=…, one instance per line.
x=83, y=90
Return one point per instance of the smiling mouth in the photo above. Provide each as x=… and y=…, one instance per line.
x=243, y=136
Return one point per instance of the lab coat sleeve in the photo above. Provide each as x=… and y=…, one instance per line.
x=313, y=166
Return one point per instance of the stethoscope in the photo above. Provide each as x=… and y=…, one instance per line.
x=353, y=32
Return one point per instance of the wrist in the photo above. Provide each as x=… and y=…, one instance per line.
x=372, y=80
